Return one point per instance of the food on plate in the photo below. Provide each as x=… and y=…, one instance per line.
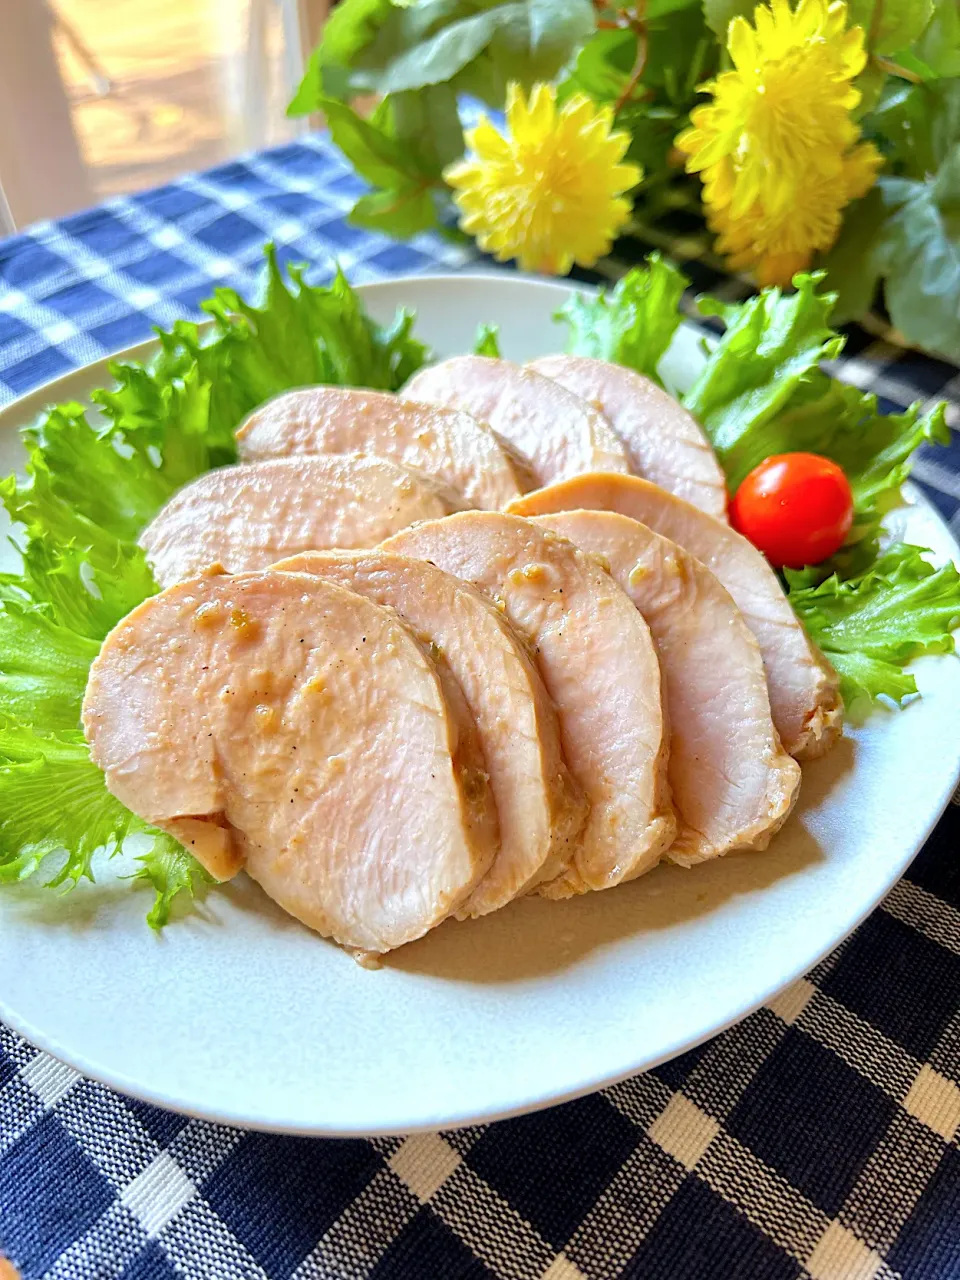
x=151, y=490
x=249, y=516
x=664, y=442
x=555, y=433
x=446, y=443
x=804, y=690
x=732, y=783
x=310, y=735
x=599, y=665
x=797, y=508
x=540, y=808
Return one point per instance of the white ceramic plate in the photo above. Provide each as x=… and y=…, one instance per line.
x=239, y=1014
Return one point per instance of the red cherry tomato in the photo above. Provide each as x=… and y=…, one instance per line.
x=796, y=508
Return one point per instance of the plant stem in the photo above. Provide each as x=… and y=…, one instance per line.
x=875, y=25
x=638, y=25
x=894, y=69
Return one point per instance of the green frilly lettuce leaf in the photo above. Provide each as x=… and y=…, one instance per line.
x=89, y=489
x=872, y=625
x=761, y=390
x=487, y=342
x=632, y=324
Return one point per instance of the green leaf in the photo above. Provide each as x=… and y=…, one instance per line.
x=351, y=27
x=908, y=67
x=56, y=808
x=88, y=578
x=870, y=84
x=156, y=438
x=602, y=66
x=53, y=801
x=377, y=157
x=302, y=334
x=853, y=264
x=660, y=8
x=401, y=150
x=720, y=13
x=871, y=626
x=682, y=52
x=438, y=58
x=633, y=324
x=171, y=872
x=772, y=342
x=917, y=246
x=917, y=126
x=404, y=27
x=921, y=248
x=456, y=42
x=43, y=667
x=939, y=46
x=488, y=341
x=541, y=40
x=890, y=24
x=400, y=212
x=428, y=124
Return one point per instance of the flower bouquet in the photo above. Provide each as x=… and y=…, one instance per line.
x=823, y=135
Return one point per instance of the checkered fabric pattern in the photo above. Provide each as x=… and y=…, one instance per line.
x=816, y=1139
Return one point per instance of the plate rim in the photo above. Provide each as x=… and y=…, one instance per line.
x=40, y=396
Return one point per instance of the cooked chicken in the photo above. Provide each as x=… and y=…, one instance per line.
x=804, y=690
x=307, y=730
x=598, y=663
x=541, y=809
x=664, y=443
x=555, y=432
x=445, y=443
x=733, y=785
x=249, y=516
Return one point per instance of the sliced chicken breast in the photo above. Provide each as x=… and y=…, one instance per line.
x=249, y=516
x=664, y=442
x=302, y=731
x=804, y=689
x=733, y=785
x=599, y=665
x=540, y=808
x=555, y=433
x=446, y=443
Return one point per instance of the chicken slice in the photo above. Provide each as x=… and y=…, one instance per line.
x=307, y=730
x=733, y=785
x=599, y=665
x=540, y=808
x=664, y=443
x=804, y=689
x=446, y=443
x=555, y=433
x=247, y=517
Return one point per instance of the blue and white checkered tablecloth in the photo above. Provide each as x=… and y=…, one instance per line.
x=817, y=1139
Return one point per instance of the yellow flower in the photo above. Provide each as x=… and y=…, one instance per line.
x=550, y=192
x=777, y=147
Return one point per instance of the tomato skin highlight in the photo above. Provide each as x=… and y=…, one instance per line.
x=797, y=508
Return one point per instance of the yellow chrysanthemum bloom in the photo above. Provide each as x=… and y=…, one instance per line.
x=778, y=147
x=550, y=192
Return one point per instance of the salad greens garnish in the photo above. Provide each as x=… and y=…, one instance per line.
x=89, y=490
x=761, y=391
x=872, y=624
x=487, y=342
x=634, y=323
x=92, y=482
